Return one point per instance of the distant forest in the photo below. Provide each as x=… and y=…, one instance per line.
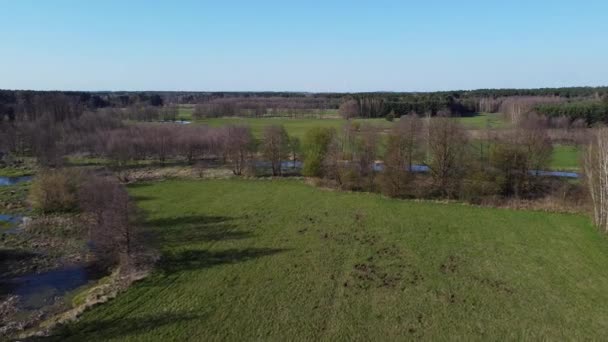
x=575, y=103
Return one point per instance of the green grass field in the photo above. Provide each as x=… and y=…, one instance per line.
x=279, y=260
x=566, y=157
x=483, y=120
x=185, y=112
x=298, y=127
x=294, y=127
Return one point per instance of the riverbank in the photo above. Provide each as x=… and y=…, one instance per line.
x=42, y=258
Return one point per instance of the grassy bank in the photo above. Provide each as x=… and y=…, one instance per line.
x=280, y=260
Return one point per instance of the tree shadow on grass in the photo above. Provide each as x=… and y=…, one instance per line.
x=200, y=259
x=191, y=219
x=195, y=229
x=140, y=198
x=105, y=329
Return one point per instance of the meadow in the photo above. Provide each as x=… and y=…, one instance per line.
x=483, y=120
x=281, y=260
x=566, y=157
x=294, y=127
x=298, y=126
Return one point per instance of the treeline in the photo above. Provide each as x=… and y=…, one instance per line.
x=18, y=103
x=31, y=105
x=262, y=106
x=594, y=111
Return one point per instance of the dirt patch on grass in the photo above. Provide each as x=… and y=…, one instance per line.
x=495, y=285
x=450, y=265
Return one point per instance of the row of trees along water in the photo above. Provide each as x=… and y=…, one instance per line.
x=491, y=163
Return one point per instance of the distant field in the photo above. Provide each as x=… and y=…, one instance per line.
x=483, y=120
x=280, y=260
x=298, y=127
x=295, y=127
x=566, y=157
x=185, y=112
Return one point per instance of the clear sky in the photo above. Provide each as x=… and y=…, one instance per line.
x=302, y=45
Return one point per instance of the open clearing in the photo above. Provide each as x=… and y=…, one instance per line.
x=483, y=120
x=281, y=260
x=566, y=157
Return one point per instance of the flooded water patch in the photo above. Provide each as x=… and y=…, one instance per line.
x=562, y=174
x=41, y=289
x=285, y=165
x=10, y=223
x=180, y=122
x=6, y=181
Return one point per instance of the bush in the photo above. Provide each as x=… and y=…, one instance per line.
x=55, y=190
x=390, y=116
x=479, y=186
x=316, y=144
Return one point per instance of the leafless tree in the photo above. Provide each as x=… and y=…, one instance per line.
x=275, y=147
x=161, y=140
x=447, y=144
x=367, y=153
x=402, y=148
x=596, y=172
x=113, y=232
x=516, y=108
x=349, y=109
x=238, y=142
x=294, y=149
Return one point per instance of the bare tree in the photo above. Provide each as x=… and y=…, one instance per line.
x=294, y=149
x=161, y=141
x=238, y=142
x=112, y=231
x=447, y=144
x=596, y=172
x=366, y=154
x=349, y=109
x=401, y=150
x=275, y=147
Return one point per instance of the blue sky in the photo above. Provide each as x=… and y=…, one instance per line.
x=302, y=45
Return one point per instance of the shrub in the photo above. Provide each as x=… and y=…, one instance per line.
x=55, y=190
x=390, y=116
x=316, y=144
